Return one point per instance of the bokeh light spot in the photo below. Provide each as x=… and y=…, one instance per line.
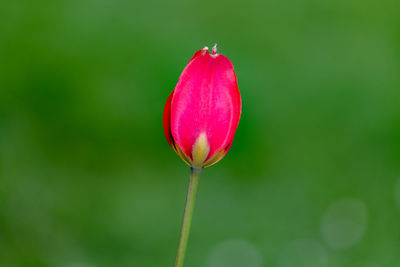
x=344, y=222
x=235, y=253
x=303, y=253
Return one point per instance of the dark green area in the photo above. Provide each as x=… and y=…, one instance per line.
x=87, y=178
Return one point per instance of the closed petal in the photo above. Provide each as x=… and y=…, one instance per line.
x=167, y=121
x=203, y=51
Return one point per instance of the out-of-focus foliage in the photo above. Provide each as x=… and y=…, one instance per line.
x=88, y=180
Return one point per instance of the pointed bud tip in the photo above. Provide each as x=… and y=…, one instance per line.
x=214, y=49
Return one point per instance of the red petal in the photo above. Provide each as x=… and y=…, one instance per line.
x=203, y=51
x=167, y=121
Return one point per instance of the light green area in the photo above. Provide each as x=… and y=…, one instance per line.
x=87, y=178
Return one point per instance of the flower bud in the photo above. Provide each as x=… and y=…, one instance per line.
x=203, y=111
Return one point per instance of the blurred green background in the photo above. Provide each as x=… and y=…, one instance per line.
x=87, y=178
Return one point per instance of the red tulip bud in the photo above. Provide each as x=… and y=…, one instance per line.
x=203, y=111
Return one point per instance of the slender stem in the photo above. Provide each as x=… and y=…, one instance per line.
x=187, y=216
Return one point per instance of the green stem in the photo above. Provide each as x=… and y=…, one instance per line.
x=187, y=216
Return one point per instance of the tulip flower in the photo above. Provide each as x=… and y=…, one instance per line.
x=200, y=119
x=202, y=113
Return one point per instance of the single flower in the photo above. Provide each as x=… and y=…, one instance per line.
x=203, y=111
